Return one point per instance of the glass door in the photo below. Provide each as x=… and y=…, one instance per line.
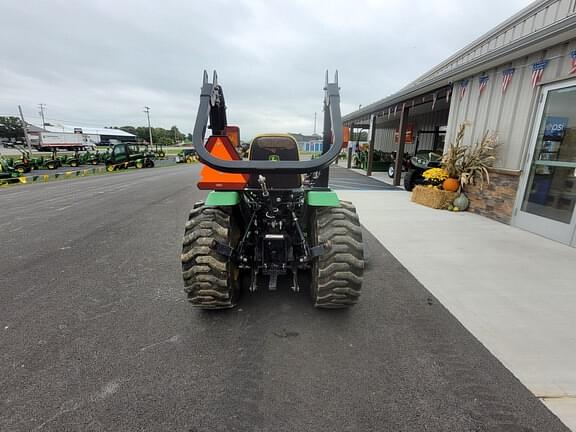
x=548, y=204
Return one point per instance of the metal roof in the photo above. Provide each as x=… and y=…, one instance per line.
x=541, y=24
x=85, y=130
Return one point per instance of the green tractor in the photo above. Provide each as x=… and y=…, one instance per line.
x=23, y=164
x=7, y=173
x=89, y=158
x=262, y=223
x=53, y=162
x=126, y=155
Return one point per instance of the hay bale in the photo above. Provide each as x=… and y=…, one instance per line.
x=432, y=197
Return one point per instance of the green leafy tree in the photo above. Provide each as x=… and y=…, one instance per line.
x=11, y=127
x=160, y=135
x=129, y=129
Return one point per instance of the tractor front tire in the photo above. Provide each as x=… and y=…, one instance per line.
x=337, y=274
x=211, y=280
x=409, y=180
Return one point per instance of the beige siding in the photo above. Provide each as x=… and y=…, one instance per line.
x=509, y=115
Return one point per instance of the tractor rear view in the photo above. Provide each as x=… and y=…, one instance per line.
x=261, y=223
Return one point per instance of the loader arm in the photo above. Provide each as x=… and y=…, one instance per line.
x=212, y=107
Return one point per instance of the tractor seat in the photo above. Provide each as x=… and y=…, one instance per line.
x=275, y=148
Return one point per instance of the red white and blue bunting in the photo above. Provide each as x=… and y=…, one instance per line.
x=483, y=82
x=538, y=71
x=463, y=85
x=573, y=57
x=507, y=75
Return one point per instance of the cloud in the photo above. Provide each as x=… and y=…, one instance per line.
x=99, y=62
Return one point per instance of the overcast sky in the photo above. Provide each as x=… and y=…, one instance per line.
x=98, y=62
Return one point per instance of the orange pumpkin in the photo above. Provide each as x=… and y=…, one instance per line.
x=451, y=184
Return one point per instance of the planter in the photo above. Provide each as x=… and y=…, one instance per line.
x=432, y=197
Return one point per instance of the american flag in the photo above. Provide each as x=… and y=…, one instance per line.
x=573, y=55
x=507, y=75
x=483, y=81
x=538, y=71
x=463, y=85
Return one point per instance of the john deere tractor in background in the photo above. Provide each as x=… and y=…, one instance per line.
x=261, y=223
x=7, y=173
x=129, y=155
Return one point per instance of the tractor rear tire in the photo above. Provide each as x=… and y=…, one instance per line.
x=337, y=274
x=211, y=280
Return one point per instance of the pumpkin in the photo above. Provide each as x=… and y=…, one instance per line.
x=451, y=184
x=461, y=202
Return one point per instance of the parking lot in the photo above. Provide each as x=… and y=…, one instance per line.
x=96, y=333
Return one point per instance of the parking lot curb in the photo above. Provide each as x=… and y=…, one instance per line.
x=45, y=178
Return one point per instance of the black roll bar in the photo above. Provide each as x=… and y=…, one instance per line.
x=212, y=107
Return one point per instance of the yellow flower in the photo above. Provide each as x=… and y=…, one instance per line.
x=437, y=174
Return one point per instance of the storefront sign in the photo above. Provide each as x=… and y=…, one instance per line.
x=555, y=127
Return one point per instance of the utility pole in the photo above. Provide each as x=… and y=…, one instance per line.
x=314, y=123
x=42, y=108
x=147, y=111
x=25, y=127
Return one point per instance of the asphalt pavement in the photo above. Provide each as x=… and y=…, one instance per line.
x=96, y=334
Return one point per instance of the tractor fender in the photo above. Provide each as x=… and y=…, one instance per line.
x=222, y=198
x=322, y=199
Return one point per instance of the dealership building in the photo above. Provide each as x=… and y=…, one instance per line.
x=518, y=81
x=68, y=133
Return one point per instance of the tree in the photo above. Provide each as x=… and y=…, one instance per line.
x=11, y=127
x=129, y=129
x=160, y=135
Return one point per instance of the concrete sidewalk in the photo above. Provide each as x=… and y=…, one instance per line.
x=513, y=290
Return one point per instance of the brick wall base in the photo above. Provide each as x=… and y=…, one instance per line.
x=495, y=200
